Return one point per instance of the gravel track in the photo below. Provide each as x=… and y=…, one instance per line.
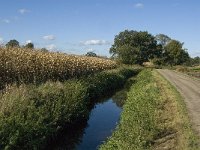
x=190, y=91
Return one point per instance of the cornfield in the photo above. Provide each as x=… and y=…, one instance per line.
x=24, y=65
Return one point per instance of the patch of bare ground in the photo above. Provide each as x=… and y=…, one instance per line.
x=175, y=131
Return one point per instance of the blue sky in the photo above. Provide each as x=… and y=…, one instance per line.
x=79, y=26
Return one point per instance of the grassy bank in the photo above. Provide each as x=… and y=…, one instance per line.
x=153, y=117
x=31, y=114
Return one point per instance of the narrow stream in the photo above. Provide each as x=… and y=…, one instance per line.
x=102, y=121
x=89, y=134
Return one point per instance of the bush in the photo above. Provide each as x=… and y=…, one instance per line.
x=30, y=115
x=137, y=125
x=182, y=69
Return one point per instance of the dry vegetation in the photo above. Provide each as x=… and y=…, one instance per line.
x=192, y=71
x=26, y=65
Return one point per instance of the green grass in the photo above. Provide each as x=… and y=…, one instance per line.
x=153, y=117
x=30, y=115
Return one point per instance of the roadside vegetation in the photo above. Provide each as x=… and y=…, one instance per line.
x=43, y=92
x=192, y=71
x=30, y=115
x=153, y=117
x=138, y=47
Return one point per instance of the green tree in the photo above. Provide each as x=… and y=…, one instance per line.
x=175, y=54
x=134, y=47
x=162, y=39
x=29, y=45
x=44, y=50
x=195, y=60
x=12, y=43
x=91, y=54
x=128, y=54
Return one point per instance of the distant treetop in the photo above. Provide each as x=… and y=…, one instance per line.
x=13, y=43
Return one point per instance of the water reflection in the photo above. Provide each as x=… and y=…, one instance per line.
x=103, y=120
x=120, y=97
x=89, y=134
x=69, y=138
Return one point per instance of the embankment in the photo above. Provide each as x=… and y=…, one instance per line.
x=153, y=117
x=30, y=115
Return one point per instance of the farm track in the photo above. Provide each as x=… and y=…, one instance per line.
x=190, y=91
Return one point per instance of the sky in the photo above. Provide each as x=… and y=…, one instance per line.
x=80, y=26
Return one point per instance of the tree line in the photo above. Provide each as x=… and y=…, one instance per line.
x=137, y=47
x=14, y=43
x=133, y=47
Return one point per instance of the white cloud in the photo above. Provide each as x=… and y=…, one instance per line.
x=95, y=42
x=28, y=41
x=1, y=40
x=51, y=47
x=49, y=37
x=6, y=21
x=90, y=50
x=23, y=11
x=139, y=5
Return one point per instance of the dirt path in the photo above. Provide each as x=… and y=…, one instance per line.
x=190, y=90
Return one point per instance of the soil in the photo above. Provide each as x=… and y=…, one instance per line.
x=190, y=91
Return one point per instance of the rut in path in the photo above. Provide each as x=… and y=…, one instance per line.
x=190, y=91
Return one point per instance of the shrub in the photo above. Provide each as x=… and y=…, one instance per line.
x=31, y=114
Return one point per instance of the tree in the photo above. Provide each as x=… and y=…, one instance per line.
x=195, y=60
x=162, y=39
x=91, y=54
x=128, y=54
x=29, y=45
x=134, y=47
x=12, y=43
x=175, y=54
x=44, y=50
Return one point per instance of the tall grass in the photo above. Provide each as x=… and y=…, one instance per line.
x=31, y=114
x=21, y=65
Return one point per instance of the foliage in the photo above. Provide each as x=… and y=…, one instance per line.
x=195, y=60
x=109, y=80
x=29, y=45
x=30, y=115
x=44, y=50
x=28, y=66
x=191, y=71
x=91, y=54
x=162, y=39
x=132, y=47
x=12, y=43
x=175, y=54
x=148, y=120
x=137, y=123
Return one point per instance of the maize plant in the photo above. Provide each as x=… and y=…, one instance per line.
x=21, y=65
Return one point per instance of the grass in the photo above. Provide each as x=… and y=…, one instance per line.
x=174, y=116
x=153, y=117
x=30, y=115
x=192, y=71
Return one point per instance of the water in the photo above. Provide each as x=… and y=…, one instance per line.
x=103, y=120
x=89, y=134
